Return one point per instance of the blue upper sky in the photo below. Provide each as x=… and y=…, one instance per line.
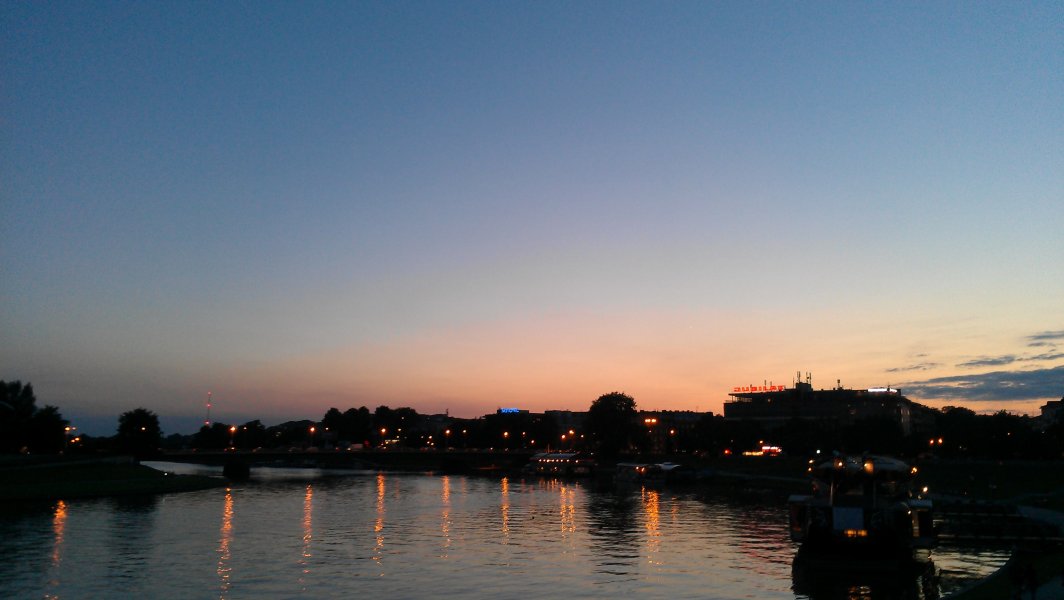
x=466, y=205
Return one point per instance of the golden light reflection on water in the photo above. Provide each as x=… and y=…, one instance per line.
x=567, y=500
x=59, y=519
x=651, y=508
x=226, y=537
x=58, y=525
x=308, y=534
x=445, y=513
x=378, y=526
x=504, y=505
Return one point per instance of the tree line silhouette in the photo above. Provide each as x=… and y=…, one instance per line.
x=612, y=426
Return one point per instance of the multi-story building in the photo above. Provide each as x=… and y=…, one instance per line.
x=772, y=406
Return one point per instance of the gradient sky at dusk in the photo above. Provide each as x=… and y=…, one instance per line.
x=465, y=205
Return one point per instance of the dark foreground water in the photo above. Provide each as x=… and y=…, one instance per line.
x=299, y=533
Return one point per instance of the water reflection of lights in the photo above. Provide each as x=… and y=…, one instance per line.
x=568, y=509
x=445, y=515
x=308, y=533
x=505, y=508
x=226, y=537
x=651, y=503
x=58, y=527
x=378, y=526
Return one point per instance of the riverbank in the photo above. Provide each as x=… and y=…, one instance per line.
x=91, y=478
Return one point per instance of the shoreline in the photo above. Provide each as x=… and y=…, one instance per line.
x=38, y=481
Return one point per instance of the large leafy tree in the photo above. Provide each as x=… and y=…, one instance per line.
x=23, y=426
x=612, y=423
x=138, y=432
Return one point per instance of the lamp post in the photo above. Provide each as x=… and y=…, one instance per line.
x=69, y=430
x=232, y=436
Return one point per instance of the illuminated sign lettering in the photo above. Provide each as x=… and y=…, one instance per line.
x=757, y=388
x=509, y=411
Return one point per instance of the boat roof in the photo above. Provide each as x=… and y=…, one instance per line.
x=542, y=455
x=868, y=465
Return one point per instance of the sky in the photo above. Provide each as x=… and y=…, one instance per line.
x=461, y=206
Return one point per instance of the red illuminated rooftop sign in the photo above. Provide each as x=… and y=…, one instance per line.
x=757, y=388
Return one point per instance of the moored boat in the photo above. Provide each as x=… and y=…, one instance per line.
x=560, y=464
x=861, y=505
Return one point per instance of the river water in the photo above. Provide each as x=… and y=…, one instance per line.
x=306, y=533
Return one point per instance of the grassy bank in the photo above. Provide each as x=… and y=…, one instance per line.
x=90, y=479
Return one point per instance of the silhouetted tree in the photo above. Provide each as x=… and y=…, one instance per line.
x=46, y=431
x=611, y=423
x=213, y=437
x=333, y=421
x=402, y=423
x=138, y=433
x=250, y=435
x=23, y=426
x=357, y=425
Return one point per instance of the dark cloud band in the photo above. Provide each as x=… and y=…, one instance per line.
x=999, y=385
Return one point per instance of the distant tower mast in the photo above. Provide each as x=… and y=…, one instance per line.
x=207, y=422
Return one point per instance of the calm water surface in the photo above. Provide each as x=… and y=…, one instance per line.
x=299, y=533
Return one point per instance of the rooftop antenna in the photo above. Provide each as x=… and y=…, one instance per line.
x=207, y=421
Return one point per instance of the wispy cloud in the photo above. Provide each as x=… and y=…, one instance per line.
x=1041, y=339
x=999, y=386
x=990, y=361
x=917, y=367
x=1047, y=356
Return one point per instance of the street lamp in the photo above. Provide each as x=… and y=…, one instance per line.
x=232, y=436
x=69, y=429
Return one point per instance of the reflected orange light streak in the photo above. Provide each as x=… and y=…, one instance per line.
x=568, y=510
x=505, y=507
x=226, y=537
x=308, y=534
x=58, y=527
x=651, y=507
x=378, y=527
x=445, y=514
